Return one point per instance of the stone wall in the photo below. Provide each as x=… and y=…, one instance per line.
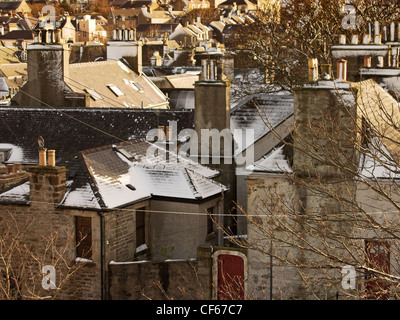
x=169, y=279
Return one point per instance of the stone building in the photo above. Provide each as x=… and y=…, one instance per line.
x=52, y=80
x=307, y=197
x=114, y=205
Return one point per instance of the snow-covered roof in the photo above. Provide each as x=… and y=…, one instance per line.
x=259, y=112
x=377, y=163
x=18, y=194
x=126, y=173
x=274, y=162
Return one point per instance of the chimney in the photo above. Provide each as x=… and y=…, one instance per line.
x=48, y=67
x=47, y=182
x=312, y=69
x=342, y=70
x=212, y=97
x=320, y=107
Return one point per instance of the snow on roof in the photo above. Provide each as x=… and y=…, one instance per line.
x=115, y=192
x=15, y=154
x=82, y=197
x=125, y=174
x=377, y=163
x=274, y=162
x=259, y=112
x=19, y=193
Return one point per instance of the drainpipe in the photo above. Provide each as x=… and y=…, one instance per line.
x=270, y=273
x=103, y=283
x=220, y=221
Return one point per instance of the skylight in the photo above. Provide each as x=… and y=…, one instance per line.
x=94, y=95
x=115, y=90
x=136, y=86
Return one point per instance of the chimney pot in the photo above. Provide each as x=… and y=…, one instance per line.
x=380, y=62
x=204, y=69
x=52, y=158
x=17, y=167
x=42, y=157
x=10, y=168
x=312, y=69
x=367, y=62
x=342, y=39
x=342, y=70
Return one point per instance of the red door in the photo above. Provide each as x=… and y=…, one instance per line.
x=230, y=277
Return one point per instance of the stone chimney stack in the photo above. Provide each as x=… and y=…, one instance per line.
x=325, y=113
x=48, y=67
x=212, y=95
x=47, y=182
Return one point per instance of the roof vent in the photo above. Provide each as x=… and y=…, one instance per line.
x=131, y=187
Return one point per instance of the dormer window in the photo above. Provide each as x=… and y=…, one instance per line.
x=4, y=154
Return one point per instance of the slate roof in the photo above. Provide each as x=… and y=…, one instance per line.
x=8, y=55
x=118, y=175
x=181, y=99
x=98, y=76
x=252, y=112
x=274, y=162
x=135, y=4
x=124, y=173
x=381, y=110
x=9, y=5
x=18, y=34
x=69, y=131
x=160, y=27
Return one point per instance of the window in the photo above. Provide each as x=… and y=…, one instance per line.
x=210, y=222
x=115, y=90
x=83, y=237
x=140, y=227
x=377, y=258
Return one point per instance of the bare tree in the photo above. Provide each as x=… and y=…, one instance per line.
x=337, y=209
x=34, y=267
x=281, y=40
